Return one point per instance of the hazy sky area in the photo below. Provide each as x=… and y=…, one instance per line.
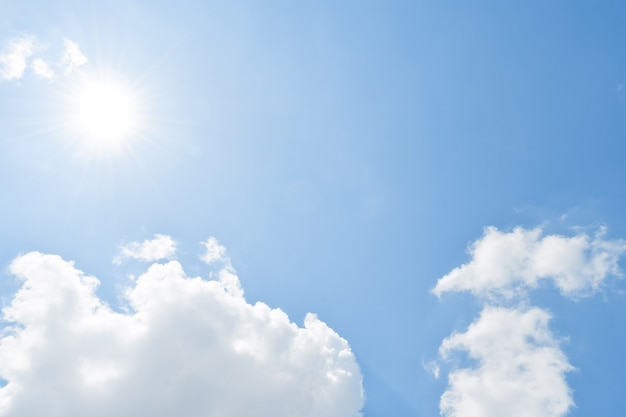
x=312, y=208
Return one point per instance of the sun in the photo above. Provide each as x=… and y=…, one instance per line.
x=103, y=113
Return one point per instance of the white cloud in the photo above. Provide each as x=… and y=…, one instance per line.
x=187, y=346
x=155, y=249
x=216, y=254
x=72, y=57
x=432, y=368
x=42, y=69
x=508, y=264
x=520, y=369
x=13, y=61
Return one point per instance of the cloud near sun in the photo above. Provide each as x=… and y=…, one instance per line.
x=21, y=54
x=185, y=346
x=519, y=366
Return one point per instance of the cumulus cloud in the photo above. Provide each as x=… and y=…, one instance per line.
x=507, y=264
x=520, y=368
x=155, y=249
x=72, y=57
x=186, y=346
x=13, y=60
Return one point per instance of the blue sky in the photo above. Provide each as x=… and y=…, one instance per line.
x=348, y=156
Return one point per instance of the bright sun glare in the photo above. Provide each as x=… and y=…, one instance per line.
x=104, y=114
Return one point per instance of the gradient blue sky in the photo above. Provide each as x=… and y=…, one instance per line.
x=345, y=153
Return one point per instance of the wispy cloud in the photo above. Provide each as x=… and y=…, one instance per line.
x=520, y=368
x=42, y=69
x=13, y=60
x=155, y=249
x=432, y=368
x=216, y=254
x=508, y=264
x=72, y=57
x=21, y=54
x=187, y=346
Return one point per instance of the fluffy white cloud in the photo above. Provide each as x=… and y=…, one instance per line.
x=186, y=346
x=72, y=57
x=157, y=248
x=520, y=369
x=13, y=61
x=507, y=264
